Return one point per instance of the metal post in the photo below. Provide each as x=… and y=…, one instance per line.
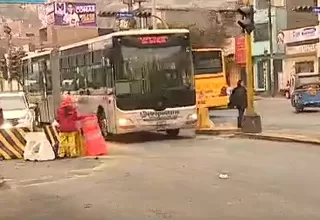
x=250, y=92
x=141, y=18
x=154, y=21
x=271, y=80
x=55, y=68
x=251, y=121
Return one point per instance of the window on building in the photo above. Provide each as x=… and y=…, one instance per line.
x=315, y=2
x=304, y=67
x=261, y=32
x=262, y=4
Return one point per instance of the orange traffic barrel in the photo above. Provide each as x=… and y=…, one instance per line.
x=95, y=144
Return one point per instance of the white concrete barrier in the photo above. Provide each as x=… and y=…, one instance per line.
x=38, y=148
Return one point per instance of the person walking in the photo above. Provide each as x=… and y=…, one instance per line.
x=238, y=99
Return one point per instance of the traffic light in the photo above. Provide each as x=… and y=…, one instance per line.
x=303, y=8
x=247, y=22
x=107, y=14
x=3, y=68
x=14, y=64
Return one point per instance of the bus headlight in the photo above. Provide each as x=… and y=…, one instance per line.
x=123, y=122
x=192, y=117
x=6, y=125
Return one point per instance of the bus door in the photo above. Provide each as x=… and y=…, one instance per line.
x=110, y=96
x=46, y=114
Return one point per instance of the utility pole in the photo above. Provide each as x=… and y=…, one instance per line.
x=271, y=76
x=154, y=21
x=7, y=30
x=252, y=121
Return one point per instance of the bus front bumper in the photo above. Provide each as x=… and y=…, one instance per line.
x=156, y=126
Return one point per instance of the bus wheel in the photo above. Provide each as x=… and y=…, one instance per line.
x=173, y=132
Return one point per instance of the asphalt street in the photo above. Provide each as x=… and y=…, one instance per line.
x=177, y=179
x=277, y=115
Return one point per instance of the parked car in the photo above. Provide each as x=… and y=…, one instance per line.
x=16, y=111
x=306, y=91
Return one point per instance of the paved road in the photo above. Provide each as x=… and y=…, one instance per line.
x=178, y=179
x=278, y=116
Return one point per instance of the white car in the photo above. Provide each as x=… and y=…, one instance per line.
x=16, y=111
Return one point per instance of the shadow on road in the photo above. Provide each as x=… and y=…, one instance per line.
x=145, y=137
x=309, y=111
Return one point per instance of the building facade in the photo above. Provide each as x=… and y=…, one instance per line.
x=265, y=71
x=301, y=47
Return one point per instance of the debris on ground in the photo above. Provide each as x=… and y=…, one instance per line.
x=223, y=176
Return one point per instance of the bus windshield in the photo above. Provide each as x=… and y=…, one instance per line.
x=207, y=62
x=153, y=69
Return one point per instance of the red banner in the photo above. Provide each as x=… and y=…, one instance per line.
x=240, y=50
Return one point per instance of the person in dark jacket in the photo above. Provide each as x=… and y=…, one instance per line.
x=238, y=99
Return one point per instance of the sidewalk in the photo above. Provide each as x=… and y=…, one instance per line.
x=279, y=122
x=284, y=135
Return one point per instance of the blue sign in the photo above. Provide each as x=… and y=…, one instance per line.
x=316, y=9
x=22, y=1
x=124, y=15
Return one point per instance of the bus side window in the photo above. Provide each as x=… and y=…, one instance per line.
x=34, y=78
x=109, y=73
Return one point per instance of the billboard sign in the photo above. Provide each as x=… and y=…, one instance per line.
x=240, y=50
x=73, y=14
x=301, y=34
x=22, y=1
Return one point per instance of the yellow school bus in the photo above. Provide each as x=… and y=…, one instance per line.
x=210, y=77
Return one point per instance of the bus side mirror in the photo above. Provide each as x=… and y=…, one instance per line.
x=32, y=106
x=109, y=91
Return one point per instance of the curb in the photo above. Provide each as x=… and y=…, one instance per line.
x=236, y=133
x=276, y=138
x=218, y=131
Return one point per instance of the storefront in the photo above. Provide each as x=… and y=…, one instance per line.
x=300, y=51
x=237, y=65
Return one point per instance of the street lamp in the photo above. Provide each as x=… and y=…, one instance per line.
x=140, y=10
x=154, y=21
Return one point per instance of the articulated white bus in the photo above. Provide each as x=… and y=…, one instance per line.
x=142, y=79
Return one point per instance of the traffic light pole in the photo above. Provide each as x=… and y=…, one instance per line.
x=250, y=92
x=251, y=121
x=271, y=76
x=154, y=9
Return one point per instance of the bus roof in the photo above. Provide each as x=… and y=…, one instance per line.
x=109, y=36
x=125, y=33
x=37, y=54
